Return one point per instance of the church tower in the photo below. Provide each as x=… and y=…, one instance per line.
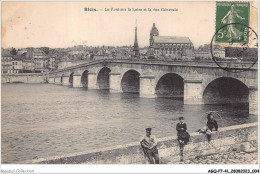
x=136, y=47
x=154, y=32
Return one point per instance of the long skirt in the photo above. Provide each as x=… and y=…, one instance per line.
x=184, y=136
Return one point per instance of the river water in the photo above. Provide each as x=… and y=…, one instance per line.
x=46, y=120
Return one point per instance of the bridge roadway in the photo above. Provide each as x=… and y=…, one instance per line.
x=197, y=82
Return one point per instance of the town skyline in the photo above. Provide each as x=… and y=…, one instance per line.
x=67, y=24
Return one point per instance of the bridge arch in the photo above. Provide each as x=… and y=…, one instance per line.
x=103, y=78
x=130, y=82
x=84, y=79
x=224, y=90
x=71, y=79
x=170, y=85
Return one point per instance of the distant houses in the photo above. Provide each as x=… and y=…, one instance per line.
x=6, y=61
x=204, y=52
x=17, y=64
x=29, y=60
x=28, y=66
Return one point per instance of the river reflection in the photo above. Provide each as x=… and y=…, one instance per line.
x=49, y=120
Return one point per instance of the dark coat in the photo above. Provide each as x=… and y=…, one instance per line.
x=182, y=133
x=211, y=124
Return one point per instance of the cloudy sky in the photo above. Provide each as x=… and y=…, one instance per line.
x=63, y=24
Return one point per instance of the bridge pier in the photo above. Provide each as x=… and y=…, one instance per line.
x=193, y=91
x=77, y=81
x=115, y=83
x=51, y=80
x=65, y=81
x=92, y=80
x=147, y=86
x=253, y=100
x=57, y=80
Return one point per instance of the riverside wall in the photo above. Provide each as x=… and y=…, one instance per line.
x=23, y=78
x=228, y=139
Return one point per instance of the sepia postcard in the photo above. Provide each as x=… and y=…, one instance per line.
x=113, y=82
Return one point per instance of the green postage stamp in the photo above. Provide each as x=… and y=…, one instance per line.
x=232, y=21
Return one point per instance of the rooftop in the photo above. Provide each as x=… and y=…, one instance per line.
x=6, y=54
x=27, y=60
x=207, y=47
x=171, y=39
x=17, y=57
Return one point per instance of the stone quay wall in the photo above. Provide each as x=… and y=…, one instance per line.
x=23, y=78
x=238, y=138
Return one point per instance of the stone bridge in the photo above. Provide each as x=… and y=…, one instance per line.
x=195, y=82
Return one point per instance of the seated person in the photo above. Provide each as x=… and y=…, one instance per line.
x=212, y=125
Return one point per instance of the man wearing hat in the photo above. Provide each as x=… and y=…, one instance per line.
x=148, y=143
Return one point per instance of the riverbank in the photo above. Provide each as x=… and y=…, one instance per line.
x=222, y=158
x=239, y=138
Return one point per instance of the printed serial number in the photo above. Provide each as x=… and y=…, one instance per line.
x=233, y=171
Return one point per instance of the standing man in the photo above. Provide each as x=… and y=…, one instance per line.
x=148, y=143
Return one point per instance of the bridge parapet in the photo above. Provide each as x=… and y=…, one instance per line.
x=205, y=64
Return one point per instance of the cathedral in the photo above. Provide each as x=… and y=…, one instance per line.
x=171, y=47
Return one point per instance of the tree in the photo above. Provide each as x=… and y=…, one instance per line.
x=46, y=50
x=23, y=55
x=13, y=51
